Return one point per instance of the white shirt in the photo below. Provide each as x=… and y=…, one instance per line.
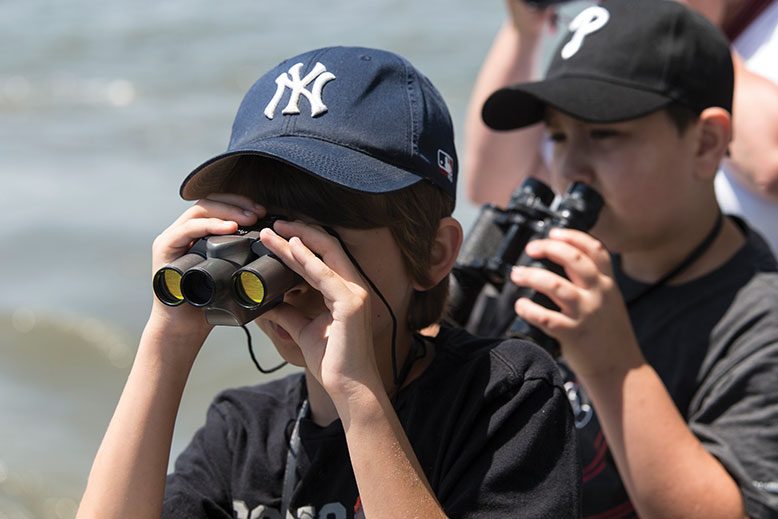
x=758, y=46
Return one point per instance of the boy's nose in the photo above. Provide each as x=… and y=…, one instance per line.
x=574, y=166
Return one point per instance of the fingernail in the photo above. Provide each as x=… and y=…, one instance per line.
x=249, y=213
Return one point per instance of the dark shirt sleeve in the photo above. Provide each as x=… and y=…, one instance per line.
x=734, y=412
x=737, y=421
x=200, y=487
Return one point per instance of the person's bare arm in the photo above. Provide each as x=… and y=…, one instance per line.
x=665, y=468
x=755, y=145
x=128, y=474
x=496, y=162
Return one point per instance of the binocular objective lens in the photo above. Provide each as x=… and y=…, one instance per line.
x=167, y=286
x=251, y=287
x=198, y=286
x=173, y=284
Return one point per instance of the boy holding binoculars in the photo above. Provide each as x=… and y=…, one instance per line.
x=353, y=149
x=669, y=337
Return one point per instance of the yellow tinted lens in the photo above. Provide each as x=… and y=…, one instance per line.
x=173, y=284
x=252, y=287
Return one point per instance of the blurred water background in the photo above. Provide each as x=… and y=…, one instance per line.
x=104, y=108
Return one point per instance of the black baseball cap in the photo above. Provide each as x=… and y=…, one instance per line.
x=365, y=119
x=624, y=59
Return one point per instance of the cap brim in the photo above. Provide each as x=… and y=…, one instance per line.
x=588, y=99
x=333, y=162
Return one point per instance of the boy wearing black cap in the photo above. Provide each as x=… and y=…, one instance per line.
x=670, y=336
x=355, y=148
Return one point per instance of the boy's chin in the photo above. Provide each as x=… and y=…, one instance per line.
x=295, y=360
x=290, y=352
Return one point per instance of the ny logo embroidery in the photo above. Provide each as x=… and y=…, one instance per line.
x=588, y=21
x=292, y=80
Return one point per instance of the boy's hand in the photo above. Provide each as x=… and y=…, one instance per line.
x=216, y=214
x=337, y=344
x=592, y=324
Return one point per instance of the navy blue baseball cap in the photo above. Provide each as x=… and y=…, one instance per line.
x=623, y=59
x=362, y=118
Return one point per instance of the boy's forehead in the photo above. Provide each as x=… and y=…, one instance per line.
x=551, y=116
x=556, y=118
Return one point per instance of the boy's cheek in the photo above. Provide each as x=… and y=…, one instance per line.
x=288, y=349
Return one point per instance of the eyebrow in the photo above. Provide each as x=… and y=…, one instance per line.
x=548, y=117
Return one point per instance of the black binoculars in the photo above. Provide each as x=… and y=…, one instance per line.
x=479, y=297
x=233, y=277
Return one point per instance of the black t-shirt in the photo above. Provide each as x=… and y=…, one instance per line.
x=714, y=343
x=488, y=421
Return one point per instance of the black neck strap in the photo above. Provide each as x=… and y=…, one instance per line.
x=417, y=351
x=693, y=256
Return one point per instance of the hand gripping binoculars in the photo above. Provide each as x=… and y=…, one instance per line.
x=480, y=299
x=233, y=277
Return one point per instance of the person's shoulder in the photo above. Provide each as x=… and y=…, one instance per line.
x=514, y=359
x=750, y=321
x=755, y=255
x=757, y=264
x=755, y=305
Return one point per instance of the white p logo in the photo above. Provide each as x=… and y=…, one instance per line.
x=588, y=21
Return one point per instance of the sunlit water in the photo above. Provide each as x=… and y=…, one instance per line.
x=104, y=108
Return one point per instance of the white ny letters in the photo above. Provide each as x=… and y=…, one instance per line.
x=292, y=80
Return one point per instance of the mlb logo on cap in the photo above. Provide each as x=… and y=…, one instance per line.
x=446, y=165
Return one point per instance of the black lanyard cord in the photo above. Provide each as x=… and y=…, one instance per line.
x=290, y=470
x=395, y=376
x=693, y=256
x=265, y=371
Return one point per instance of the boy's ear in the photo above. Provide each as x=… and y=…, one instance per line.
x=445, y=248
x=715, y=134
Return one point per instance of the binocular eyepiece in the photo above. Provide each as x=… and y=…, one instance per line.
x=233, y=277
